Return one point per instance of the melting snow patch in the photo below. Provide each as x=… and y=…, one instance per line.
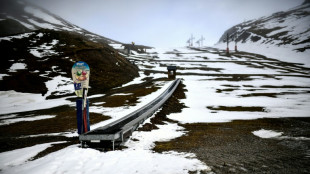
x=119, y=94
x=3, y=75
x=66, y=134
x=40, y=35
x=31, y=27
x=20, y=156
x=17, y=66
x=44, y=49
x=42, y=25
x=20, y=36
x=267, y=133
x=38, y=13
x=278, y=135
x=98, y=103
x=13, y=102
x=96, y=96
x=117, y=46
x=15, y=120
x=136, y=80
x=60, y=85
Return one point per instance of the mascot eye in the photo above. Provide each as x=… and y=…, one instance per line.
x=78, y=73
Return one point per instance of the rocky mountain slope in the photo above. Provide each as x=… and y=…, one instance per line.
x=19, y=17
x=286, y=29
x=37, y=46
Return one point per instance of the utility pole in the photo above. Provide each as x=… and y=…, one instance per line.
x=201, y=40
x=198, y=42
x=192, y=40
x=189, y=42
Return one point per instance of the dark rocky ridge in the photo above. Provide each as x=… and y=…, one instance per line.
x=108, y=68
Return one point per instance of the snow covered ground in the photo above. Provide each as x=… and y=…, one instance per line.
x=219, y=89
x=283, y=53
x=203, y=90
x=138, y=158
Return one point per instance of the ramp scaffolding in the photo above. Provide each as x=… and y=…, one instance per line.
x=121, y=129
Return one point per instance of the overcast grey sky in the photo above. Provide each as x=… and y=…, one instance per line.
x=162, y=23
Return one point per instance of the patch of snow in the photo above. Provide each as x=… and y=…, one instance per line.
x=44, y=50
x=66, y=134
x=277, y=135
x=31, y=27
x=19, y=36
x=42, y=15
x=42, y=25
x=136, y=80
x=117, y=46
x=147, y=140
x=17, y=66
x=59, y=85
x=16, y=120
x=54, y=42
x=13, y=102
x=119, y=94
x=98, y=103
x=96, y=96
x=8, y=116
x=3, y=75
x=40, y=35
x=267, y=133
x=17, y=157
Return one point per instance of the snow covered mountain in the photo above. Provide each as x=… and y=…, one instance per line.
x=39, y=48
x=285, y=33
x=19, y=17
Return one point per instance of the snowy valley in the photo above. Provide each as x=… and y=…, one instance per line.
x=243, y=112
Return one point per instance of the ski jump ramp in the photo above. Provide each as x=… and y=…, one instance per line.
x=121, y=129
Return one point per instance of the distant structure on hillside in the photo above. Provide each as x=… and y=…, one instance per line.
x=190, y=41
x=199, y=42
x=128, y=48
x=171, y=72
